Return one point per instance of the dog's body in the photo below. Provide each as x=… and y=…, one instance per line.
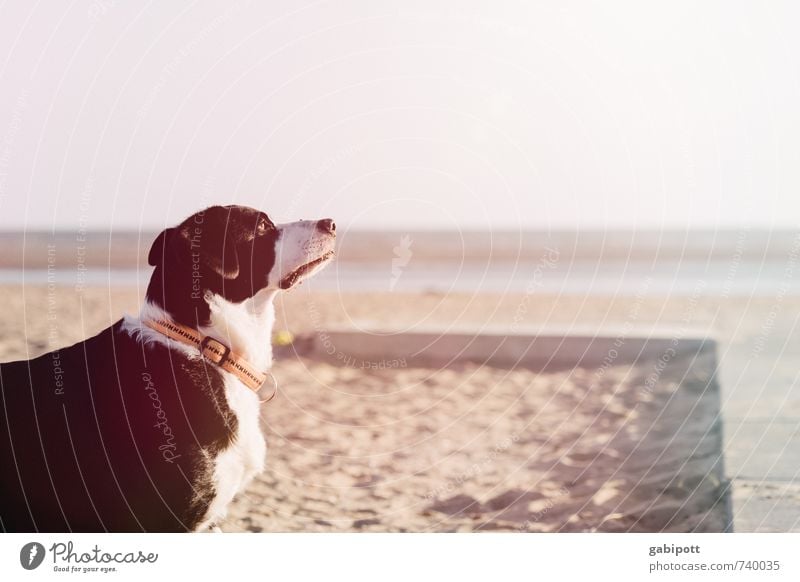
x=130, y=431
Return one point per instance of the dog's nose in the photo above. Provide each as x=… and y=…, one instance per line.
x=326, y=225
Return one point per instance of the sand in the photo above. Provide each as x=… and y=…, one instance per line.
x=456, y=448
x=468, y=448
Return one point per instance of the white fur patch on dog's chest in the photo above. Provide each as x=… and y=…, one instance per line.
x=236, y=466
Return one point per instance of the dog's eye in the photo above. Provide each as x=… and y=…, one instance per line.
x=264, y=226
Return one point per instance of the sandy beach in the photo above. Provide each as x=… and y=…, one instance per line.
x=461, y=447
x=469, y=448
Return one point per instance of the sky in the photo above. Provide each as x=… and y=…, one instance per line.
x=401, y=115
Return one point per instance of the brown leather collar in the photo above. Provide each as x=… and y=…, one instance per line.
x=215, y=352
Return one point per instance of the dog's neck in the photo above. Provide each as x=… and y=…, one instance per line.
x=246, y=327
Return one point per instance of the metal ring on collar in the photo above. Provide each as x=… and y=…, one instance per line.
x=274, y=387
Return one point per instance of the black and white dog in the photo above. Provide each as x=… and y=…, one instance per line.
x=132, y=430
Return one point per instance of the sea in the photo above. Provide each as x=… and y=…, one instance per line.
x=575, y=277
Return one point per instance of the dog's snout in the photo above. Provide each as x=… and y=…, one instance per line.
x=326, y=225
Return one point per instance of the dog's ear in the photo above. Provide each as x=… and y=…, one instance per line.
x=158, y=251
x=210, y=234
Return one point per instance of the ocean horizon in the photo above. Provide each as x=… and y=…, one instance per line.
x=718, y=278
x=129, y=249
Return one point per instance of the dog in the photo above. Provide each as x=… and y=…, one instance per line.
x=153, y=424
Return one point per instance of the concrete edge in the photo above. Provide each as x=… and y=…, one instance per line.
x=539, y=350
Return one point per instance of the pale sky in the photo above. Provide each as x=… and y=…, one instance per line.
x=412, y=114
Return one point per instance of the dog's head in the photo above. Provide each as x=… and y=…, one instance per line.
x=233, y=252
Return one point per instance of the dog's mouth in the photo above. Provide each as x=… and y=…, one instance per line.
x=292, y=278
